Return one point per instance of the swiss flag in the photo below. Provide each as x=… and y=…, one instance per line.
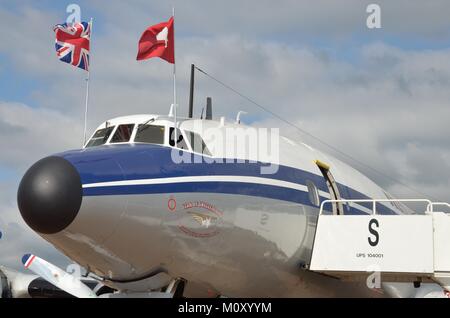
x=158, y=41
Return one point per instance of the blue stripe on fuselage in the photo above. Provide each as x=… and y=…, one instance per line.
x=144, y=161
x=236, y=188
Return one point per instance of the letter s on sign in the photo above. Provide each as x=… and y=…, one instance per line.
x=374, y=241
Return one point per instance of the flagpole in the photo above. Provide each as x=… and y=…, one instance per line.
x=87, y=85
x=175, y=106
x=87, y=107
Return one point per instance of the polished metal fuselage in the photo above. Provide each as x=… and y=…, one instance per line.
x=233, y=243
x=256, y=248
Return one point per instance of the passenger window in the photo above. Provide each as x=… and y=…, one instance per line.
x=123, y=133
x=150, y=134
x=100, y=137
x=313, y=193
x=181, y=143
x=197, y=143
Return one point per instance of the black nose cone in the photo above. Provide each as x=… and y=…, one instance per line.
x=50, y=195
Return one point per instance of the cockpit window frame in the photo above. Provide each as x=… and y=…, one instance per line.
x=113, y=131
x=129, y=141
x=136, y=129
x=166, y=125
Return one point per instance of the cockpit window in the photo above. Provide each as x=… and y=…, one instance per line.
x=123, y=134
x=181, y=143
x=197, y=143
x=150, y=134
x=100, y=137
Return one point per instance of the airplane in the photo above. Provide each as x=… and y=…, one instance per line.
x=144, y=224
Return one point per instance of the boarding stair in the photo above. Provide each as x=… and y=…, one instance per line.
x=402, y=248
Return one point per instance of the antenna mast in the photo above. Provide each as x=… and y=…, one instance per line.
x=191, y=92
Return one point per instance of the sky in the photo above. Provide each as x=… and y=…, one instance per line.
x=380, y=95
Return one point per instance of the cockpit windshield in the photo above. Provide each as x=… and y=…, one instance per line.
x=123, y=134
x=100, y=137
x=150, y=134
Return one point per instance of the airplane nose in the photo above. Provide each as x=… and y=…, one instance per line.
x=50, y=195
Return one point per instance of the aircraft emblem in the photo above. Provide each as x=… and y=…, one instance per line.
x=203, y=219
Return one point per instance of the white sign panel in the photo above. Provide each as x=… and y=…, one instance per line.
x=441, y=240
x=385, y=243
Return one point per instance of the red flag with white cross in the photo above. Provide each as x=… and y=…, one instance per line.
x=158, y=41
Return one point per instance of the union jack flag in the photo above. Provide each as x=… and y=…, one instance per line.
x=72, y=43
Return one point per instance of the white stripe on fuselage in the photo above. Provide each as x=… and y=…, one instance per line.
x=241, y=179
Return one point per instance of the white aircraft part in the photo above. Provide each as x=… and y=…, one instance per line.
x=58, y=277
x=405, y=247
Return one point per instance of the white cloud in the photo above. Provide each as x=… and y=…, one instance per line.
x=28, y=134
x=27, y=37
x=289, y=20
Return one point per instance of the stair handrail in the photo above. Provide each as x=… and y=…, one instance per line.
x=433, y=204
x=374, y=202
